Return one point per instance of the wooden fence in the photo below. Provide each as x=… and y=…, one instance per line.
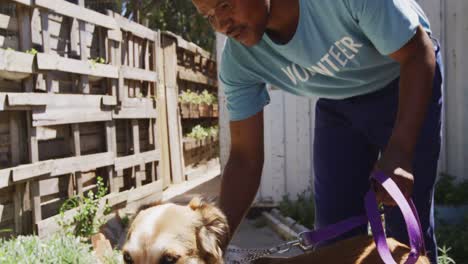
x=83, y=94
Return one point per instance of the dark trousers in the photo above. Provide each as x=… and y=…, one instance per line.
x=349, y=136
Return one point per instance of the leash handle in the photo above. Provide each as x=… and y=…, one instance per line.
x=410, y=216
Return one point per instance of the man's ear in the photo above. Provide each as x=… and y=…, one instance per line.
x=213, y=234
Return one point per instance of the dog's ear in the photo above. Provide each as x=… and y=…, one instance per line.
x=213, y=234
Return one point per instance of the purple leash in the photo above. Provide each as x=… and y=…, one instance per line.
x=310, y=238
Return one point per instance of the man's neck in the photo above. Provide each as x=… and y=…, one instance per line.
x=283, y=20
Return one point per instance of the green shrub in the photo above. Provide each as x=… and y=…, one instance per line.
x=456, y=238
x=57, y=249
x=84, y=223
x=447, y=192
x=301, y=210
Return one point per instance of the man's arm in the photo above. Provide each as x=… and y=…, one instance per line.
x=241, y=176
x=417, y=62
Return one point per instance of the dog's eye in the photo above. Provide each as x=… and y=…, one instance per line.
x=127, y=258
x=169, y=259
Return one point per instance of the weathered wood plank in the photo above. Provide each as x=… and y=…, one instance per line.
x=55, y=62
x=9, y=23
x=137, y=159
x=24, y=2
x=5, y=178
x=139, y=74
x=9, y=42
x=65, y=100
x=197, y=77
x=161, y=124
x=12, y=63
x=135, y=113
x=135, y=28
x=58, y=167
x=29, y=171
x=6, y=212
x=81, y=13
x=173, y=116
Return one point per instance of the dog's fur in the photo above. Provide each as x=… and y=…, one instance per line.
x=175, y=234
x=197, y=233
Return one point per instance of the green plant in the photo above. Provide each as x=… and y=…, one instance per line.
x=84, y=222
x=97, y=60
x=207, y=98
x=57, y=249
x=302, y=209
x=32, y=51
x=443, y=258
x=448, y=192
x=198, y=133
x=456, y=237
x=213, y=131
x=189, y=97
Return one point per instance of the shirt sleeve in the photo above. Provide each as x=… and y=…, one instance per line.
x=389, y=24
x=246, y=94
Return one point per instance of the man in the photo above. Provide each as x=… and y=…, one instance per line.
x=378, y=74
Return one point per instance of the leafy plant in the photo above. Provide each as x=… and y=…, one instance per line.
x=455, y=236
x=198, y=133
x=443, y=258
x=97, y=60
x=188, y=97
x=302, y=209
x=84, y=222
x=57, y=249
x=448, y=192
x=32, y=51
x=207, y=98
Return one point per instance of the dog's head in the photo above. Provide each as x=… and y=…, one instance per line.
x=175, y=234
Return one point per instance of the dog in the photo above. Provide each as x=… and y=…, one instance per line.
x=175, y=234
x=198, y=232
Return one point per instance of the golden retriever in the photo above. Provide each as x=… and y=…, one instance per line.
x=176, y=234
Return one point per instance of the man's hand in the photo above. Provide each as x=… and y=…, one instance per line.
x=396, y=165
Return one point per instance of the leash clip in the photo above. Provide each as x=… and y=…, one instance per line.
x=283, y=248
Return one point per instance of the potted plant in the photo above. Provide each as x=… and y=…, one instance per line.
x=206, y=103
x=186, y=98
x=451, y=199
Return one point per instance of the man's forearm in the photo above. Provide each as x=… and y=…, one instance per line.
x=416, y=81
x=239, y=186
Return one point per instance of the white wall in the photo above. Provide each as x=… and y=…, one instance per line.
x=289, y=119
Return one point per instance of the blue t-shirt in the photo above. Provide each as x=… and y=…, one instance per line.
x=340, y=49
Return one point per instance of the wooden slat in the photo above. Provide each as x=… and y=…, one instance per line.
x=135, y=113
x=34, y=170
x=65, y=100
x=134, y=160
x=9, y=23
x=9, y=42
x=60, y=166
x=24, y=2
x=6, y=212
x=15, y=61
x=161, y=125
x=75, y=11
x=135, y=28
x=5, y=178
x=197, y=77
x=139, y=74
x=173, y=116
x=54, y=62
